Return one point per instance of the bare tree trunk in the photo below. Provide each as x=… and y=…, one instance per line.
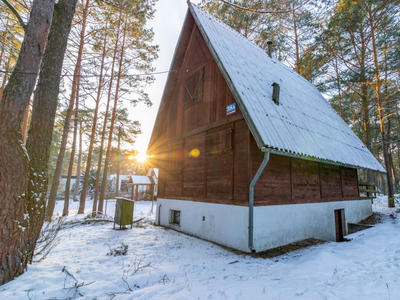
x=296, y=41
x=24, y=128
x=72, y=157
x=3, y=84
x=14, y=161
x=118, y=162
x=365, y=103
x=60, y=159
x=385, y=144
x=106, y=162
x=92, y=137
x=78, y=171
x=2, y=57
x=43, y=114
x=4, y=43
x=96, y=193
x=339, y=88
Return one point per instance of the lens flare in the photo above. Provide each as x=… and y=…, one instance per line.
x=194, y=153
x=141, y=157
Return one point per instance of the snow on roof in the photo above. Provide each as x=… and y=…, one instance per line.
x=140, y=179
x=303, y=124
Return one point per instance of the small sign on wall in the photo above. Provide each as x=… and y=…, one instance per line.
x=231, y=109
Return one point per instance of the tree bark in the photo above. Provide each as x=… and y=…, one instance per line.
x=60, y=159
x=385, y=144
x=118, y=162
x=14, y=160
x=106, y=162
x=43, y=114
x=24, y=128
x=72, y=157
x=78, y=171
x=92, y=137
x=296, y=41
x=3, y=84
x=96, y=191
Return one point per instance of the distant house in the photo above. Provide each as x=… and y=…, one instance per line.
x=123, y=186
x=63, y=183
x=250, y=154
x=153, y=173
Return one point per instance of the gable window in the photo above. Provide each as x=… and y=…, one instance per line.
x=194, y=88
x=219, y=142
x=174, y=217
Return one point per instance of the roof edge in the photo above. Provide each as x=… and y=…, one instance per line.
x=316, y=159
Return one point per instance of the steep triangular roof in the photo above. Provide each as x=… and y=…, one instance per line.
x=303, y=124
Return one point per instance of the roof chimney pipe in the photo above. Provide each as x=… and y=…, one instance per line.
x=269, y=47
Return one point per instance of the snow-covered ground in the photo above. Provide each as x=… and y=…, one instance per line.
x=165, y=264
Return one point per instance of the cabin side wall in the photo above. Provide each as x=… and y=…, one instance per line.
x=288, y=180
x=204, y=152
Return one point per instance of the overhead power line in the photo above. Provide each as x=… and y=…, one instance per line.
x=89, y=76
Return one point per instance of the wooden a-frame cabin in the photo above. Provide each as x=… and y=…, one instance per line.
x=250, y=154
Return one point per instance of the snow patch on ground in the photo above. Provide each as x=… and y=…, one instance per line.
x=165, y=264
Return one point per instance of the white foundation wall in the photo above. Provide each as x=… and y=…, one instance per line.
x=279, y=225
x=223, y=224
x=274, y=225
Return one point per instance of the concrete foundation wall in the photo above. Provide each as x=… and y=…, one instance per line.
x=274, y=226
x=222, y=224
x=279, y=225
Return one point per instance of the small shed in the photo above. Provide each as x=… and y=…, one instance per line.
x=141, y=180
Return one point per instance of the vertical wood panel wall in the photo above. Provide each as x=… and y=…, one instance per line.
x=287, y=180
x=208, y=156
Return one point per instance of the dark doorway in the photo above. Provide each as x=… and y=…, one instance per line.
x=339, y=225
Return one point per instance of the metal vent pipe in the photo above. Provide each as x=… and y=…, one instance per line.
x=269, y=47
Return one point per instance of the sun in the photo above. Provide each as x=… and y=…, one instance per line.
x=141, y=157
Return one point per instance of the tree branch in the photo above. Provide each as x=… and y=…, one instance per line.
x=16, y=14
x=255, y=11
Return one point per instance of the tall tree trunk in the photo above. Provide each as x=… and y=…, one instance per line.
x=4, y=43
x=14, y=161
x=3, y=84
x=2, y=52
x=106, y=161
x=24, y=128
x=92, y=136
x=43, y=114
x=385, y=144
x=60, y=159
x=96, y=193
x=72, y=157
x=118, y=162
x=78, y=171
x=296, y=41
x=338, y=87
x=365, y=102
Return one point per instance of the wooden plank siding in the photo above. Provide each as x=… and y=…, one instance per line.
x=288, y=180
x=206, y=155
